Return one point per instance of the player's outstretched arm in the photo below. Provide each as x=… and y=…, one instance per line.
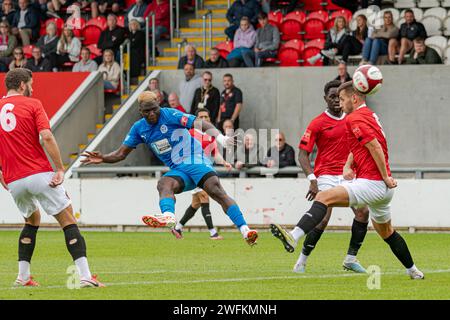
x=96, y=157
x=305, y=163
x=53, y=151
x=377, y=154
x=211, y=130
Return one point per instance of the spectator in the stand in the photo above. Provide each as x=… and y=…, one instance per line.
x=353, y=5
x=215, y=60
x=343, y=75
x=174, y=102
x=191, y=57
x=7, y=44
x=136, y=12
x=409, y=30
x=67, y=50
x=137, y=46
x=26, y=23
x=422, y=54
x=41, y=7
x=153, y=85
x=38, y=63
x=86, y=64
x=101, y=7
x=231, y=101
x=244, y=40
x=377, y=44
x=239, y=9
x=19, y=60
x=250, y=154
x=266, y=45
x=359, y=35
x=8, y=11
x=282, y=154
x=188, y=85
x=48, y=42
x=207, y=96
x=160, y=97
x=110, y=70
x=285, y=6
x=229, y=154
x=112, y=37
x=161, y=8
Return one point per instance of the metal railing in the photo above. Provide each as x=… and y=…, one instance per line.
x=209, y=16
x=125, y=66
x=147, y=41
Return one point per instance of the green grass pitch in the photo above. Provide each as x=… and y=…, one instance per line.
x=157, y=266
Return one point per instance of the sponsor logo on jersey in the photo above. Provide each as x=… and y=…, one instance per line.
x=184, y=121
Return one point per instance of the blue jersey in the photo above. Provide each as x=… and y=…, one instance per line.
x=169, y=138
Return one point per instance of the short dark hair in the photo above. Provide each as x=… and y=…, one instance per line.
x=86, y=49
x=15, y=77
x=228, y=75
x=408, y=11
x=347, y=87
x=206, y=72
x=202, y=110
x=331, y=84
x=262, y=15
x=419, y=39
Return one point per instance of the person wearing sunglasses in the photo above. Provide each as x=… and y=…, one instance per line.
x=207, y=96
x=19, y=60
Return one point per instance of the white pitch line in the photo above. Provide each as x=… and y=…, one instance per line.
x=324, y=276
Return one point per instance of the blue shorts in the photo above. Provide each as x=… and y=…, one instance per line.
x=193, y=175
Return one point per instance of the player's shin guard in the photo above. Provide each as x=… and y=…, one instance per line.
x=74, y=241
x=167, y=205
x=312, y=217
x=207, y=215
x=27, y=242
x=236, y=216
x=400, y=249
x=359, y=230
x=190, y=212
x=311, y=240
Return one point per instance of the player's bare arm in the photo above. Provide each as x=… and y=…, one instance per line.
x=305, y=163
x=211, y=130
x=348, y=172
x=376, y=151
x=218, y=158
x=53, y=151
x=96, y=157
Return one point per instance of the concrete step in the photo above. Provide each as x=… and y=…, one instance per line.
x=217, y=22
x=167, y=61
x=108, y=116
x=99, y=126
x=116, y=107
x=81, y=148
x=198, y=42
x=152, y=68
x=217, y=13
x=173, y=52
x=215, y=4
x=198, y=32
x=91, y=137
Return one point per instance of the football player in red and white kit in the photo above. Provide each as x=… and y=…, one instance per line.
x=27, y=174
x=199, y=197
x=368, y=180
x=328, y=132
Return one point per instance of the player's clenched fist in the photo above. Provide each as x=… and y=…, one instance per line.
x=391, y=183
x=92, y=157
x=348, y=174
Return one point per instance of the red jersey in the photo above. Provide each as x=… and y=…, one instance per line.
x=21, y=153
x=209, y=144
x=329, y=134
x=363, y=125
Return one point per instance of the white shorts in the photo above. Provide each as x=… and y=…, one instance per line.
x=373, y=193
x=196, y=190
x=34, y=189
x=326, y=181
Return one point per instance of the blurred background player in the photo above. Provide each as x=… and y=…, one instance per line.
x=199, y=197
x=27, y=174
x=327, y=131
x=164, y=130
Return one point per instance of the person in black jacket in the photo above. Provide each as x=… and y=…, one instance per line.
x=137, y=39
x=8, y=11
x=111, y=38
x=207, y=96
x=38, y=63
x=26, y=23
x=191, y=57
x=215, y=60
x=282, y=154
x=48, y=42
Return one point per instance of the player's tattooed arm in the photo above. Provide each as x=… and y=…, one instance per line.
x=305, y=163
x=96, y=157
x=348, y=172
x=377, y=154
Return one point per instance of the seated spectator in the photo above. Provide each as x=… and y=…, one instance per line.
x=160, y=98
x=19, y=60
x=41, y=7
x=422, y=54
x=266, y=45
x=174, y=102
x=244, y=40
x=230, y=102
x=282, y=154
x=68, y=49
x=250, y=155
x=343, y=75
x=207, y=97
x=137, y=48
x=8, y=11
x=101, y=7
x=153, y=85
x=86, y=64
x=215, y=60
x=354, y=5
x=112, y=37
x=377, y=44
x=229, y=154
x=26, y=23
x=48, y=42
x=136, y=12
x=161, y=9
x=110, y=70
x=188, y=85
x=239, y=9
x=38, y=63
x=191, y=57
x=409, y=30
x=358, y=36
x=7, y=44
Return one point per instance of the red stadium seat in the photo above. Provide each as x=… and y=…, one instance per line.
x=313, y=29
x=275, y=18
x=321, y=15
x=225, y=48
x=121, y=21
x=347, y=14
x=77, y=25
x=331, y=6
x=42, y=30
x=298, y=15
x=316, y=43
x=99, y=22
x=308, y=53
x=129, y=3
x=27, y=50
x=95, y=51
x=289, y=58
x=294, y=44
x=292, y=25
x=59, y=24
x=313, y=5
x=91, y=34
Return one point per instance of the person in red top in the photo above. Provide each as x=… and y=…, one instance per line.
x=328, y=132
x=27, y=174
x=368, y=181
x=199, y=197
x=174, y=102
x=161, y=9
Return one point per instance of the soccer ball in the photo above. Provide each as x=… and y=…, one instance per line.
x=367, y=79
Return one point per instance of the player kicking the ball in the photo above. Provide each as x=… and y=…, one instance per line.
x=373, y=185
x=165, y=131
x=27, y=174
x=328, y=133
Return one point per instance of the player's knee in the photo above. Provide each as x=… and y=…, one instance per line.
x=362, y=214
x=322, y=197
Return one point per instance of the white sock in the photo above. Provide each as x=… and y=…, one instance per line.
x=24, y=270
x=412, y=269
x=179, y=226
x=297, y=233
x=302, y=259
x=169, y=213
x=350, y=258
x=83, y=268
x=244, y=229
x=212, y=231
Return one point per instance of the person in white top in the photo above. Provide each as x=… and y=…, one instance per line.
x=86, y=64
x=110, y=70
x=67, y=50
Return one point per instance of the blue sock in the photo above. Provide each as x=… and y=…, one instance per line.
x=236, y=216
x=167, y=205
